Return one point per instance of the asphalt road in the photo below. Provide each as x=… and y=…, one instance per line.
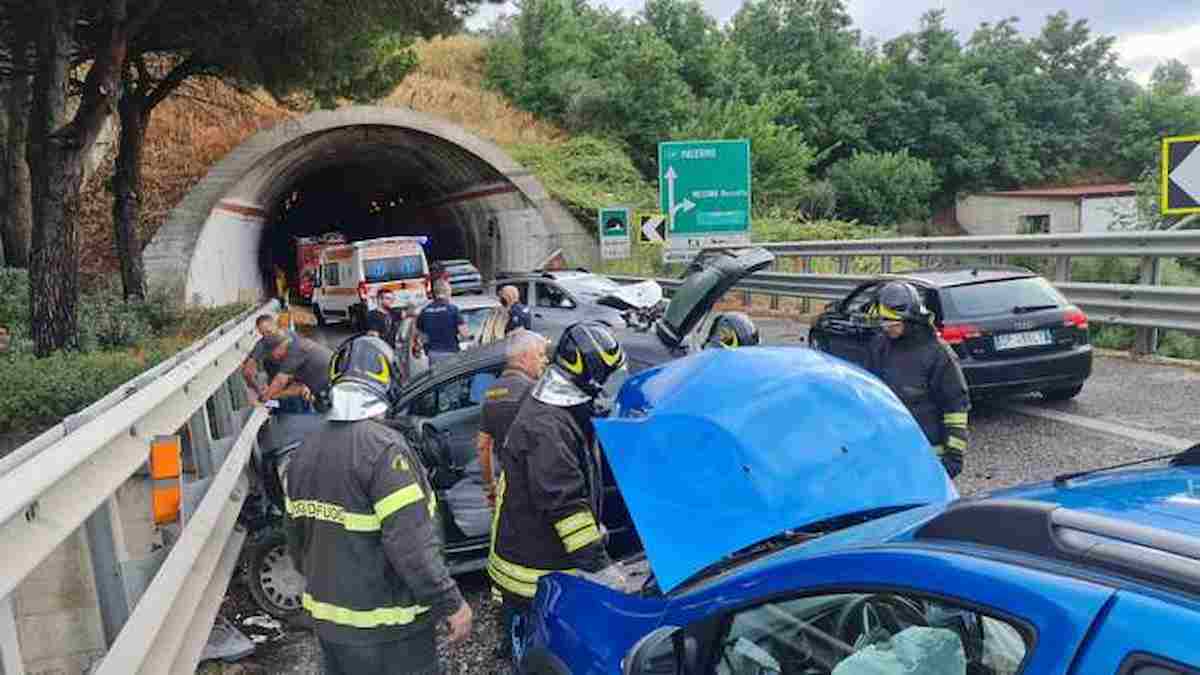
x=1007, y=448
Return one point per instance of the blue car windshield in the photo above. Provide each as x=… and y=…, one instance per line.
x=377, y=270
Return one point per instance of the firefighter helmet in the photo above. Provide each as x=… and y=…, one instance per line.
x=900, y=301
x=362, y=384
x=588, y=354
x=733, y=329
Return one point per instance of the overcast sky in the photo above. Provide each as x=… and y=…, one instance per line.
x=1147, y=31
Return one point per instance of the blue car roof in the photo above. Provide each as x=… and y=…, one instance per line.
x=726, y=448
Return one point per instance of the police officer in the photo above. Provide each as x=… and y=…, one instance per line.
x=549, y=491
x=922, y=370
x=362, y=529
x=525, y=360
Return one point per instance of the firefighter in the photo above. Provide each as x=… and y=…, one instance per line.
x=922, y=370
x=362, y=529
x=525, y=360
x=548, y=495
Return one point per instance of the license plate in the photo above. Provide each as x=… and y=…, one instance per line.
x=1031, y=338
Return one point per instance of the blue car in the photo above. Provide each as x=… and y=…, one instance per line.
x=795, y=521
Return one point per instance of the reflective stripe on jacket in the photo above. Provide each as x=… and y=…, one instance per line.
x=362, y=527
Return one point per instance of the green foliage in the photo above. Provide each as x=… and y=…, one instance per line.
x=884, y=189
x=36, y=393
x=780, y=158
x=587, y=173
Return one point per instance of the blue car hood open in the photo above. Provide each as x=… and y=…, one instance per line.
x=723, y=449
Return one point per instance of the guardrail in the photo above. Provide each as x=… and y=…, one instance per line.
x=67, y=477
x=1146, y=306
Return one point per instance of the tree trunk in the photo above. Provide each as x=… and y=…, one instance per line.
x=16, y=221
x=127, y=193
x=56, y=165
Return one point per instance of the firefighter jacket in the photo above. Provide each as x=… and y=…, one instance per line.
x=362, y=529
x=924, y=373
x=547, y=500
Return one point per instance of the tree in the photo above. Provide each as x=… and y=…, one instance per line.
x=884, y=189
x=16, y=208
x=1171, y=78
x=693, y=35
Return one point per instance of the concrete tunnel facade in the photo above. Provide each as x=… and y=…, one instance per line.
x=466, y=192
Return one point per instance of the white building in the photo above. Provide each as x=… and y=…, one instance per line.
x=1081, y=208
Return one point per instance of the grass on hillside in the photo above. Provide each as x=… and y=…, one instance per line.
x=448, y=82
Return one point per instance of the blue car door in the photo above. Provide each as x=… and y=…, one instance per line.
x=1144, y=634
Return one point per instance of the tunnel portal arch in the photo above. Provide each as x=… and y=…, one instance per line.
x=466, y=192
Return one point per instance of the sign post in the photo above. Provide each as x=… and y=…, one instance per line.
x=704, y=191
x=614, y=224
x=1181, y=175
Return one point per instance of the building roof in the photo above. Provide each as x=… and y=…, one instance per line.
x=1069, y=191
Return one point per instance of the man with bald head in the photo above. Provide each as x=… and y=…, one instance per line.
x=525, y=359
x=518, y=314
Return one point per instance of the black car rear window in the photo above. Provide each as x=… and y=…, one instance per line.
x=1000, y=297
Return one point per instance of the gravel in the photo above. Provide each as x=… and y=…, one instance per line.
x=1006, y=449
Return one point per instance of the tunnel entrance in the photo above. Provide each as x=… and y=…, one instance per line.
x=366, y=173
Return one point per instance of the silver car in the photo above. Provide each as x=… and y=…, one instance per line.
x=559, y=299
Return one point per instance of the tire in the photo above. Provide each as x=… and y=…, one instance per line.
x=321, y=322
x=1063, y=394
x=273, y=580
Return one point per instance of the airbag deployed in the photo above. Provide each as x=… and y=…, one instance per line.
x=928, y=651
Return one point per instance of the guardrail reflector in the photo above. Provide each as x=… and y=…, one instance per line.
x=165, y=476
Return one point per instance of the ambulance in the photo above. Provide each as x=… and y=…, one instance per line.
x=350, y=277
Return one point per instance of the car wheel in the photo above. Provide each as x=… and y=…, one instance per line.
x=321, y=321
x=1063, y=394
x=274, y=582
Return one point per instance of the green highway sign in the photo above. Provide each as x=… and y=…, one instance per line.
x=613, y=224
x=704, y=191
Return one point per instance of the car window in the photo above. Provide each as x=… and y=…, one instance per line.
x=867, y=634
x=457, y=394
x=331, y=277
x=1000, y=297
x=475, y=318
x=553, y=296
x=861, y=301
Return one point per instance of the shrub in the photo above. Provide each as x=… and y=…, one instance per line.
x=884, y=189
x=14, y=307
x=107, y=321
x=39, y=392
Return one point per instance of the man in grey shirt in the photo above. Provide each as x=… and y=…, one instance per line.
x=303, y=367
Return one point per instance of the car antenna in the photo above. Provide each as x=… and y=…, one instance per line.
x=1189, y=457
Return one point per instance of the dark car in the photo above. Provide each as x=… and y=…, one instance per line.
x=1013, y=331
x=438, y=411
x=462, y=274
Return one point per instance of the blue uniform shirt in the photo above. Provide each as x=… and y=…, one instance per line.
x=519, y=316
x=439, y=321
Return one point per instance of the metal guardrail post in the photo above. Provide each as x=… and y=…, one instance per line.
x=885, y=264
x=843, y=264
x=200, y=442
x=223, y=405
x=10, y=649
x=1062, y=268
x=103, y=537
x=1146, y=339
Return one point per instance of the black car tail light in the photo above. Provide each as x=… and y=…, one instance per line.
x=1075, y=317
x=956, y=334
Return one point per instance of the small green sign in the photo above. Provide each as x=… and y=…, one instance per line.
x=613, y=224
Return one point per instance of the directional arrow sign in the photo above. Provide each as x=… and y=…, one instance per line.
x=1181, y=175
x=652, y=228
x=704, y=190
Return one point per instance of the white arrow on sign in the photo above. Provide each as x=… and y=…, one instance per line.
x=1187, y=174
x=685, y=206
x=671, y=176
x=650, y=229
